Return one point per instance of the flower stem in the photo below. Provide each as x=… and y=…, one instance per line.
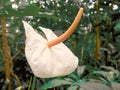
x=65, y=35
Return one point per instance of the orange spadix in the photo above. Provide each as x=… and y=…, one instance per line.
x=70, y=30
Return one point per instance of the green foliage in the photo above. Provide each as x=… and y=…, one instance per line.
x=58, y=16
x=32, y=83
x=55, y=83
x=117, y=26
x=72, y=81
x=104, y=75
x=24, y=11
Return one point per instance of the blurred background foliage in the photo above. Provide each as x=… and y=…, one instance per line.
x=96, y=41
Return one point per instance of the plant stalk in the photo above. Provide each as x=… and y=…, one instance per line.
x=97, y=33
x=6, y=51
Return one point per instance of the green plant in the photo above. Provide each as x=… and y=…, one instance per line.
x=58, y=15
x=71, y=82
x=83, y=76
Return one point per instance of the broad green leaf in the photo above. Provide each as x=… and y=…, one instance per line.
x=55, y=83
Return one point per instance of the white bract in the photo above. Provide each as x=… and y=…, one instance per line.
x=47, y=62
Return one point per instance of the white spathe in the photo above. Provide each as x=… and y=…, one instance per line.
x=47, y=62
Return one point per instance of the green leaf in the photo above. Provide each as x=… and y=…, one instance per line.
x=30, y=82
x=81, y=89
x=31, y=10
x=73, y=76
x=55, y=83
x=73, y=88
x=28, y=10
x=108, y=68
x=34, y=83
x=5, y=1
x=117, y=26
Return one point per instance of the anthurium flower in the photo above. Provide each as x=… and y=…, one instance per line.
x=50, y=57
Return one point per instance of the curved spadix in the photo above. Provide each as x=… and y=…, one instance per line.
x=69, y=31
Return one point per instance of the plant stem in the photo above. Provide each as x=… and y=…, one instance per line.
x=33, y=83
x=30, y=83
x=97, y=44
x=97, y=33
x=6, y=51
x=65, y=35
x=54, y=88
